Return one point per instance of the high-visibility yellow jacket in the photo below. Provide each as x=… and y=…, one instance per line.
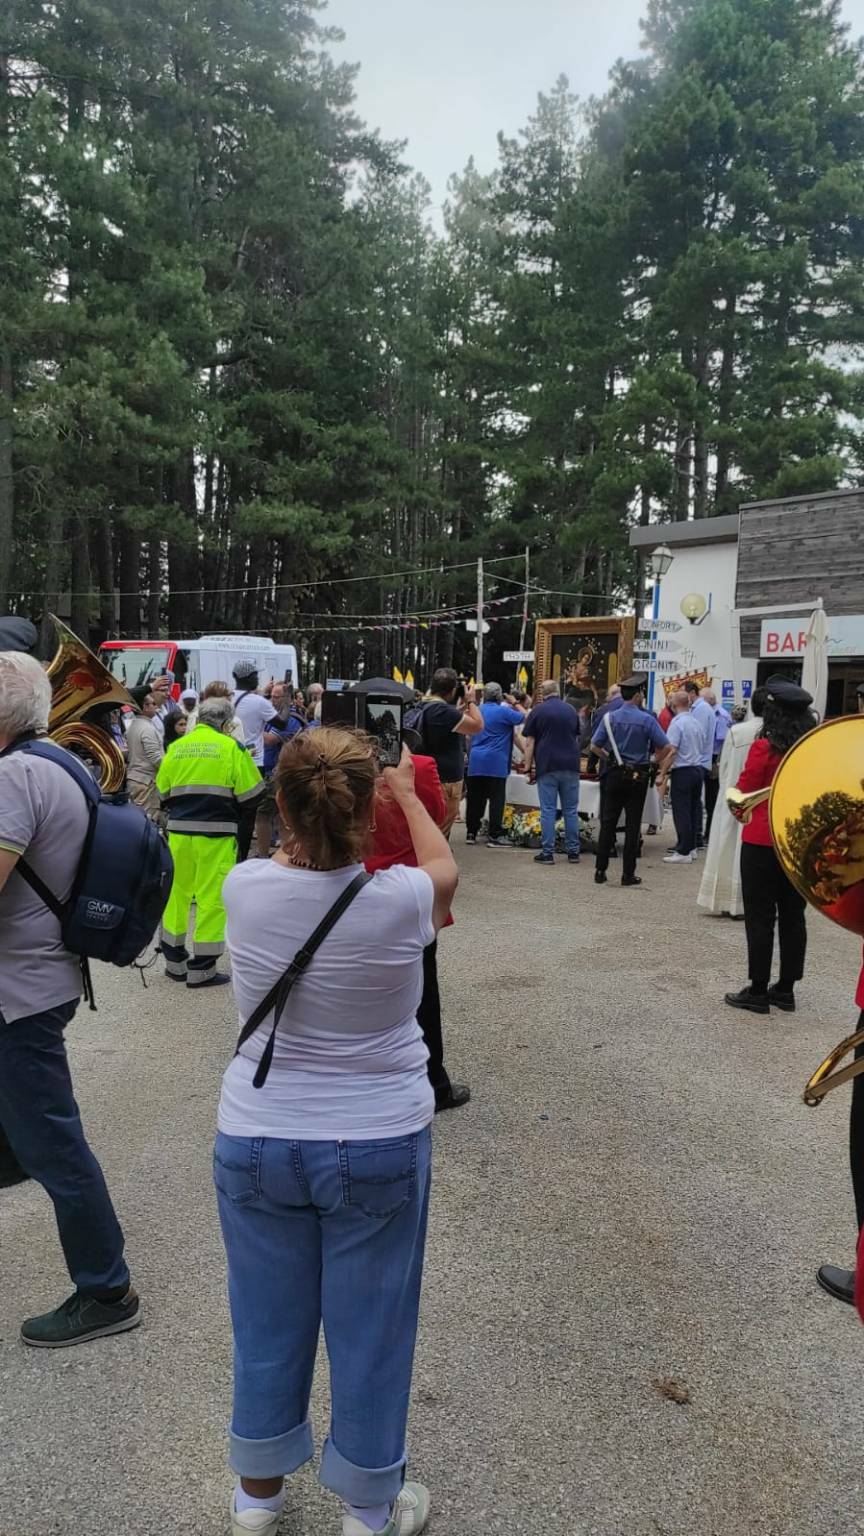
x=204, y=780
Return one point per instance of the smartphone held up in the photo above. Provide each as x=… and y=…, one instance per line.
x=379, y=714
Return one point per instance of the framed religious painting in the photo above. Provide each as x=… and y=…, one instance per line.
x=586, y=656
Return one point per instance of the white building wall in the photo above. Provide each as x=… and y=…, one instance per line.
x=709, y=569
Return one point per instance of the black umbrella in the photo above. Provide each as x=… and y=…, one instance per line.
x=384, y=685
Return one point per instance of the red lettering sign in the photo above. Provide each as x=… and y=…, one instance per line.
x=772, y=642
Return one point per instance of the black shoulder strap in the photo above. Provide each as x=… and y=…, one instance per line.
x=278, y=995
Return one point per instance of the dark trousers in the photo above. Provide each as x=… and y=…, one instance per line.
x=627, y=794
x=856, y=1135
x=602, y=780
x=9, y=1164
x=42, y=1122
x=769, y=899
x=482, y=787
x=685, y=790
x=712, y=789
x=429, y=1019
x=701, y=833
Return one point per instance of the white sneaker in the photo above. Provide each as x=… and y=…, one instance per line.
x=410, y=1515
x=678, y=858
x=262, y=1522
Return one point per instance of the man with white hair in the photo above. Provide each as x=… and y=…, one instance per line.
x=489, y=765
x=684, y=769
x=44, y=817
x=209, y=786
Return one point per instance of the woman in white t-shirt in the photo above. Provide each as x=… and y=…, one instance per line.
x=322, y=1172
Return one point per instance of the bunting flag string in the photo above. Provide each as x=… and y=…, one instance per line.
x=437, y=618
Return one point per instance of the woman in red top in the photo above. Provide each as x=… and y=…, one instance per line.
x=391, y=844
x=769, y=897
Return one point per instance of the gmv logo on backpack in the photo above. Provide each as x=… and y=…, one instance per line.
x=102, y=914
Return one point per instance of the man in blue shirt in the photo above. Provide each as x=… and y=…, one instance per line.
x=489, y=765
x=685, y=776
x=703, y=714
x=626, y=738
x=722, y=722
x=553, y=735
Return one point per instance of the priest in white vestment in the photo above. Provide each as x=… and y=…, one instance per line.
x=720, y=890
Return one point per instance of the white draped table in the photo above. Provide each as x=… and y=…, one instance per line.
x=524, y=796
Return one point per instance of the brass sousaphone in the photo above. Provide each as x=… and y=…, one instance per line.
x=79, y=683
x=817, y=821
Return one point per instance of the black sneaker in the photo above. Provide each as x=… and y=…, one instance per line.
x=543, y=858
x=753, y=1002
x=470, y=837
x=779, y=998
x=499, y=842
x=599, y=877
x=81, y=1318
x=573, y=858
x=631, y=880
x=457, y=1095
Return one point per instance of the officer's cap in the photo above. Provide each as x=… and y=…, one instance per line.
x=783, y=691
x=635, y=684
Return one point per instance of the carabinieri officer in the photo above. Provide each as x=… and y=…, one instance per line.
x=627, y=738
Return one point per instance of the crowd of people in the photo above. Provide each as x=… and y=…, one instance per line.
x=322, y=1157
x=322, y=1160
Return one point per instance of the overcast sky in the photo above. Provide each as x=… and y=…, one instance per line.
x=448, y=74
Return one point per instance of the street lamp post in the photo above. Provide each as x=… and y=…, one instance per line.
x=658, y=565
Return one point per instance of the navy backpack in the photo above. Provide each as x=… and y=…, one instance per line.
x=124, y=876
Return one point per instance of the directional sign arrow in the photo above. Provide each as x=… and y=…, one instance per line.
x=662, y=626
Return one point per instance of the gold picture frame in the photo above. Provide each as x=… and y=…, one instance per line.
x=596, y=664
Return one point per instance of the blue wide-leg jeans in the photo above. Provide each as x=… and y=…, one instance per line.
x=332, y=1233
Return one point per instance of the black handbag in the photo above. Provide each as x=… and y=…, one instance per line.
x=279, y=993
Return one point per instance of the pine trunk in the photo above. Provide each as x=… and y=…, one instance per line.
x=130, y=583
x=7, y=481
x=78, y=536
x=725, y=390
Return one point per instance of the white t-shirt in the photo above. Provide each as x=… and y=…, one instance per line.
x=349, y=1062
x=254, y=713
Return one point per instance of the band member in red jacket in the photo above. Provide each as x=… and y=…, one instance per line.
x=770, y=899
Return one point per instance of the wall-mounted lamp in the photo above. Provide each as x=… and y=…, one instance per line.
x=694, y=607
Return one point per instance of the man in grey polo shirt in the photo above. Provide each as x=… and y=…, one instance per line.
x=44, y=818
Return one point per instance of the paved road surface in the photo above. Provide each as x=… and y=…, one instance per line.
x=636, y=1194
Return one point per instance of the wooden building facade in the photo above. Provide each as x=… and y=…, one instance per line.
x=796, y=550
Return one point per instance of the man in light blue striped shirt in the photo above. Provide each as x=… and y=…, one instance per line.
x=686, y=776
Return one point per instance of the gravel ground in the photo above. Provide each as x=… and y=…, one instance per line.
x=636, y=1196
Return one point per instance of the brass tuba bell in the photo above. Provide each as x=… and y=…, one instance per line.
x=79, y=683
x=817, y=822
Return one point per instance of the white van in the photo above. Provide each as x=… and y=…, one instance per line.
x=195, y=663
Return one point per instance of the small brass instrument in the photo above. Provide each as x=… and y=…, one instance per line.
x=743, y=805
x=79, y=683
x=817, y=822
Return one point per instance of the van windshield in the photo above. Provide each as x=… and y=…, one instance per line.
x=133, y=666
